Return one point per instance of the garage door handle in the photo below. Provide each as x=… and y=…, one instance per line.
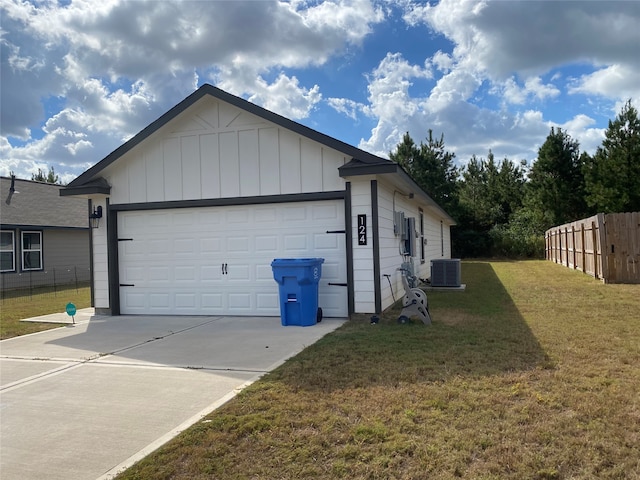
x=127, y=285
x=338, y=284
x=336, y=231
x=225, y=270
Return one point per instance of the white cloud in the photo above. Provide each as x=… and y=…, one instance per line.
x=347, y=107
x=581, y=128
x=443, y=61
x=530, y=37
x=614, y=81
x=468, y=129
x=532, y=88
x=497, y=43
x=390, y=101
x=118, y=65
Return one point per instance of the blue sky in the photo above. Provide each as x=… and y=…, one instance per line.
x=78, y=78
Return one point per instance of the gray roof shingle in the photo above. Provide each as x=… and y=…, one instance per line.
x=38, y=204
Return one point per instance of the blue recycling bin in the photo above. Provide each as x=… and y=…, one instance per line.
x=298, y=280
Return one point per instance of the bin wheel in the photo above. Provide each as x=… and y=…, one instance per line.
x=319, y=315
x=402, y=319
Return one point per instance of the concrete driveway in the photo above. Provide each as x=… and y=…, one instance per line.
x=86, y=401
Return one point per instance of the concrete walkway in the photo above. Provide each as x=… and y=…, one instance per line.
x=86, y=401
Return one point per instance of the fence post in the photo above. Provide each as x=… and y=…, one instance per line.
x=584, y=248
x=573, y=239
x=594, y=240
x=559, y=246
x=602, y=243
x=566, y=246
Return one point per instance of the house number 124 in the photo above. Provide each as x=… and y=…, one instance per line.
x=362, y=229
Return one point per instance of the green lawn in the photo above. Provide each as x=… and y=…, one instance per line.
x=532, y=373
x=16, y=308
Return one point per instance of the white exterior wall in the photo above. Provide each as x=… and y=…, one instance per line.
x=363, y=281
x=214, y=150
x=390, y=258
x=100, y=260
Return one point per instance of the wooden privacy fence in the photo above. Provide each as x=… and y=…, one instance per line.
x=605, y=246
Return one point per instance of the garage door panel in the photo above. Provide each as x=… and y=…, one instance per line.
x=295, y=214
x=177, y=258
x=212, y=301
x=211, y=274
x=239, y=273
x=328, y=299
x=156, y=300
x=238, y=245
x=158, y=274
x=185, y=300
x=264, y=273
x=265, y=215
x=264, y=244
x=210, y=245
x=296, y=243
x=186, y=274
x=331, y=271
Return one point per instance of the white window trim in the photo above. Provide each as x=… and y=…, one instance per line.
x=422, y=239
x=23, y=251
x=13, y=250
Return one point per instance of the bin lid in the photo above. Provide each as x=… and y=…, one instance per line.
x=296, y=262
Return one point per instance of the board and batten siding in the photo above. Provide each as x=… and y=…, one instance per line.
x=363, y=281
x=100, y=261
x=220, y=151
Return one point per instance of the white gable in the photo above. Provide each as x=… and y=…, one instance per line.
x=215, y=150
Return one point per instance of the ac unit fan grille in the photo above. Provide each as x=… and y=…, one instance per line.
x=445, y=273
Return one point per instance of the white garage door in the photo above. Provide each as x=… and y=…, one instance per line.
x=217, y=260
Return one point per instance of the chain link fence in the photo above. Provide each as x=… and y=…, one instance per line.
x=18, y=286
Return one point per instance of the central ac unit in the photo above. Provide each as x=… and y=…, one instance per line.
x=445, y=273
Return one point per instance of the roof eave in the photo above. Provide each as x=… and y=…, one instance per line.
x=357, y=167
x=98, y=186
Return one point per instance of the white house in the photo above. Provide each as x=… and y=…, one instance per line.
x=197, y=205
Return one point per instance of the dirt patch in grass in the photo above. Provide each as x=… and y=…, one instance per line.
x=533, y=372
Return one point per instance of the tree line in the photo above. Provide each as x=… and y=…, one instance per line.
x=503, y=208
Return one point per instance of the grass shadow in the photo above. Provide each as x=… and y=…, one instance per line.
x=478, y=332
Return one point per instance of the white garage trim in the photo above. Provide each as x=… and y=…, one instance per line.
x=217, y=260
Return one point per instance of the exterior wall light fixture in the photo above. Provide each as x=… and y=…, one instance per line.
x=94, y=218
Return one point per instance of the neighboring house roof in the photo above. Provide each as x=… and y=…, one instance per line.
x=362, y=163
x=39, y=205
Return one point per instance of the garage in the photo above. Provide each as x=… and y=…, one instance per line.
x=217, y=260
x=187, y=215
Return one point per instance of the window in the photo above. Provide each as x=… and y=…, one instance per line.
x=7, y=251
x=31, y=250
x=422, y=242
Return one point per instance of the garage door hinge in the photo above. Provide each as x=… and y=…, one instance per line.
x=125, y=239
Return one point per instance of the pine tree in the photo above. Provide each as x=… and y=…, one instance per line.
x=431, y=167
x=612, y=175
x=556, y=186
x=51, y=177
